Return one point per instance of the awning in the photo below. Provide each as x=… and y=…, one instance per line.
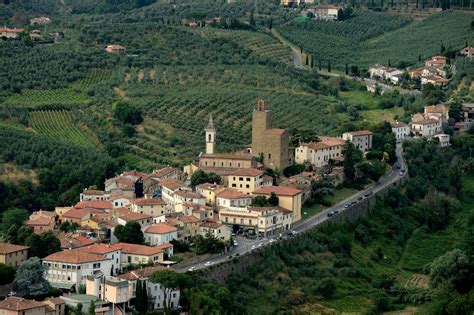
x=62, y=285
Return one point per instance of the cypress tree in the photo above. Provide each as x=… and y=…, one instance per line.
x=307, y=60
x=347, y=69
x=145, y=296
x=312, y=61
x=320, y=65
x=329, y=66
x=139, y=297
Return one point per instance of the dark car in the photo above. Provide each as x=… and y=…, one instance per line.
x=230, y=257
x=330, y=214
x=335, y=211
x=367, y=194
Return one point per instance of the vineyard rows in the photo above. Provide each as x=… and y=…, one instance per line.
x=35, y=98
x=95, y=76
x=58, y=125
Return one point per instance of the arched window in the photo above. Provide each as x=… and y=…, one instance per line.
x=210, y=136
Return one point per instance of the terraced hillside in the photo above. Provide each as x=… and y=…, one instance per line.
x=372, y=37
x=59, y=125
x=260, y=43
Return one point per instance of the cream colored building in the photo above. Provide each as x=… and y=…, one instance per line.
x=426, y=127
x=217, y=229
x=319, y=153
x=232, y=198
x=133, y=254
x=160, y=233
x=13, y=255
x=362, y=139
x=246, y=180
x=265, y=221
x=150, y=206
x=288, y=198
x=13, y=305
x=401, y=130
x=209, y=191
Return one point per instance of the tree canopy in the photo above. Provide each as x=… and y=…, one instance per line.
x=130, y=233
x=29, y=280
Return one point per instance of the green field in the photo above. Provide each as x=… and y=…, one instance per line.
x=59, y=125
x=372, y=37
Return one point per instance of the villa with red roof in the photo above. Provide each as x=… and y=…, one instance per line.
x=160, y=233
x=232, y=198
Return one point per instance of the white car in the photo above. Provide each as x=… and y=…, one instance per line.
x=192, y=268
x=272, y=241
x=235, y=243
x=254, y=246
x=209, y=263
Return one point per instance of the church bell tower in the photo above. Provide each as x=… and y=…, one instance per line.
x=210, y=137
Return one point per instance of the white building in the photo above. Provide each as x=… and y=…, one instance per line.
x=232, y=198
x=109, y=251
x=443, y=139
x=94, y=195
x=362, y=139
x=160, y=233
x=217, y=229
x=401, y=130
x=319, y=153
x=69, y=268
x=426, y=127
x=168, y=189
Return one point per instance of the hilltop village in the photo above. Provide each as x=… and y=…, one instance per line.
x=218, y=197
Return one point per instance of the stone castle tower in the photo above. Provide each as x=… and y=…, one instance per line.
x=210, y=137
x=270, y=142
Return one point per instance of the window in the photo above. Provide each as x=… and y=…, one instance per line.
x=210, y=138
x=269, y=156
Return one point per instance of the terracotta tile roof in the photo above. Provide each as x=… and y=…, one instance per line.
x=228, y=156
x=441, y=109
x=133, y=175
x=149, y=202
x=172, y=184
x=188, y=219
x=76, y=213
x=7, y=248
x=128, y=215
x=399, y=124
x=360, y=133
x=436, y=79
x=325, y=6
x=73, y=241
x=211, y=224
x=247, y=172
x=188, y=194
x=40, y=221
x=209, y=186
x=43, y=213
x=222, y=171
x=13, y=303
x=278, y=190
x=11, y=30
x=55, y=301
x=160, y=228
x=96, y=204
x=165, y=171
x=142, y=273
x=425, y=122
x=275, y=131
x=262, y=209
x=74, y=257
x=135, y=249
x=98, y=249
x=231, y=194
x=267, y=178
x=93, y=192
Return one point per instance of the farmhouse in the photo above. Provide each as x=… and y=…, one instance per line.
x=325, y=12
x=42, y=221
x=385, y=73
x=269, y=143
x=362, y=139
x=467, y=52
x=321, y=152
x=10, y=33
x=114, y=49
x=13, y=255
x=439, y=112
x=426, y=127
x=436, y=61
x=435, y=80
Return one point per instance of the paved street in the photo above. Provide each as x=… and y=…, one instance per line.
x=248, y=245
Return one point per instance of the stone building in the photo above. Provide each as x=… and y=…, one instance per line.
x=271, y=143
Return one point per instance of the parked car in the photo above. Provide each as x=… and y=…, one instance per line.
x=230, y=257
x=280, y=237
x=330, y=214
x=272, y=241
x=347, y=206
x=236, y=243
x=192, y=268
x=335, y=212
x=237, y=255
x=209, y=263
x=367, y=194
x=360, y=198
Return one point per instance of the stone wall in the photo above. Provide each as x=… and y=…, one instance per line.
x=222, y=271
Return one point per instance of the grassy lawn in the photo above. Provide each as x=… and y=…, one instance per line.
x=339, y=195
x=356, y=97
x=378, y=115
